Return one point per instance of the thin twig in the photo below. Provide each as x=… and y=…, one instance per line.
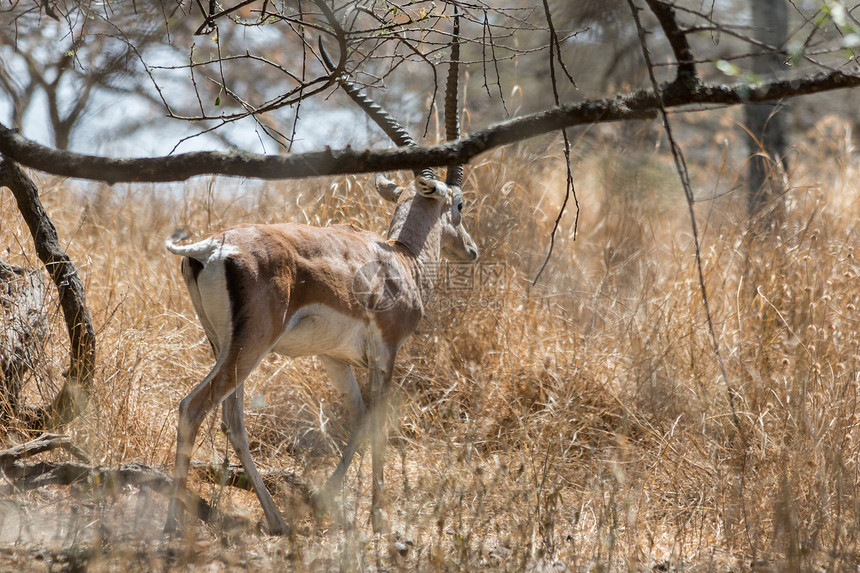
x=569, y=189
x=683, y=174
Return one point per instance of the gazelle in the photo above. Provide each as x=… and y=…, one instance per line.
x=346, y=295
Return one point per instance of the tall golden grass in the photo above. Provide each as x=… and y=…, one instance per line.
x=581, y=422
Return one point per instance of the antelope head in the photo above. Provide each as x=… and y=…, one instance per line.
x=428, y=216
x=428, y=212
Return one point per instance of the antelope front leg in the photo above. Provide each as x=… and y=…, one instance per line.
x=379, y=380
x=347, y=387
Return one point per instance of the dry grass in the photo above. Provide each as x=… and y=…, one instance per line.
x=579, y=423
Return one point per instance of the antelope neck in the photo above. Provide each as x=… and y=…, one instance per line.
x=416, y=226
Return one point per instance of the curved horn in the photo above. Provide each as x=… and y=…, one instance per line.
x=454, y=176
x=380, y=117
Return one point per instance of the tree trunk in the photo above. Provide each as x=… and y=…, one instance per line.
x=767, y=122
x=23, y=326
x=73, y=397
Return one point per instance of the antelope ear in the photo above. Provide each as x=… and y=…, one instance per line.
x=431, y=188
x=387, y=188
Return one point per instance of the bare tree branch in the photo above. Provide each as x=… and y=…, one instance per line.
x=569, y=189
x=29, y=476
x=44, y=443
x=24, y=477
x=642, y=104
x=234, y=476
x=665, y=13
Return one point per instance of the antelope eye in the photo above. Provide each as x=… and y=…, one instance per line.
x=460, y=207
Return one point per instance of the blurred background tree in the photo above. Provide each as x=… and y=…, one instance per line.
x=767, y=122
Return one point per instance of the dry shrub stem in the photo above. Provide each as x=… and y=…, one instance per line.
x=687, y=74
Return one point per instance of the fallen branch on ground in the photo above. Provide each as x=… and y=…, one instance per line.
x=23, y=476
x=234, y=476
x=44, y=443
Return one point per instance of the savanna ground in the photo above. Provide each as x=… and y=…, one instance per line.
x=578, y=424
